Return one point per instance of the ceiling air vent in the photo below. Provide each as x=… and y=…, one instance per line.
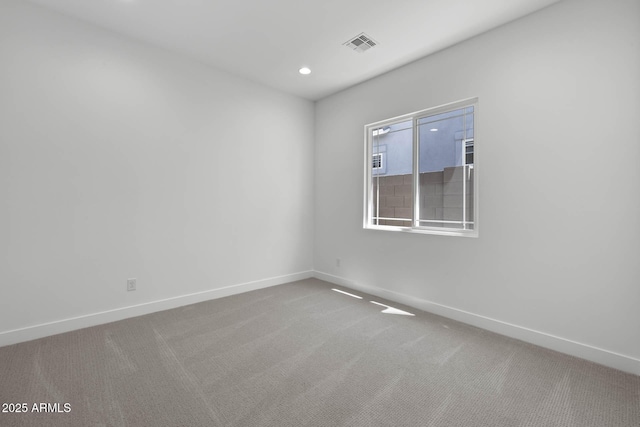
x=360, y=43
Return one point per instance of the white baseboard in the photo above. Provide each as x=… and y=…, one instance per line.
x=74, y=323
x=563, y=345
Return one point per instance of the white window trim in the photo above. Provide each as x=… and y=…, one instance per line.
x=368, y=181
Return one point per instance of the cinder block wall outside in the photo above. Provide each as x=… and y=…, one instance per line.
x=441, y=197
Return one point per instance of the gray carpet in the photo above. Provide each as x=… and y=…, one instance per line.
x=301, y=354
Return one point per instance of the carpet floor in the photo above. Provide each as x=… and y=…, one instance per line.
x=301, y=354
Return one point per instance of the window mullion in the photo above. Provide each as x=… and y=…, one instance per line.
x=464, y=169
x=416, y=175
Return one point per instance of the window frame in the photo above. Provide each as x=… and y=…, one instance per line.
x=368, y=171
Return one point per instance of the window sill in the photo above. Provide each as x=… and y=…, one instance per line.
x=425, y=230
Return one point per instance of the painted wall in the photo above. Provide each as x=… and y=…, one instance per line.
x=559, y=180
x=121, y=160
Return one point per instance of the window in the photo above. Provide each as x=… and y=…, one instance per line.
x=421, y=172
x=468, y=146
x=377, y=161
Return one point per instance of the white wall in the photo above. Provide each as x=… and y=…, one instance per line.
x=557, y=258
x=121, y=160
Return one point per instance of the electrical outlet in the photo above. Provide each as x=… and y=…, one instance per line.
x=131, y=284
x=338, y=262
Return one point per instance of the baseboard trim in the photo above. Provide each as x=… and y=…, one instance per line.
x=60, y=326
x=563, y=345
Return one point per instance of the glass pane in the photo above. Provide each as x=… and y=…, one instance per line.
x=446, y=169
x=391, y=172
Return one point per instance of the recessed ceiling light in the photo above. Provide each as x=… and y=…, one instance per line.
x=304, y=70
x=434, y=130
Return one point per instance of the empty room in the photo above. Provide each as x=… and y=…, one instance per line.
x=320, y=213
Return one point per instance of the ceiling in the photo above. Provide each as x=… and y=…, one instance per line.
x=268, y=41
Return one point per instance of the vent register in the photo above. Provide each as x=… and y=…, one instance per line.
x=360, y=43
